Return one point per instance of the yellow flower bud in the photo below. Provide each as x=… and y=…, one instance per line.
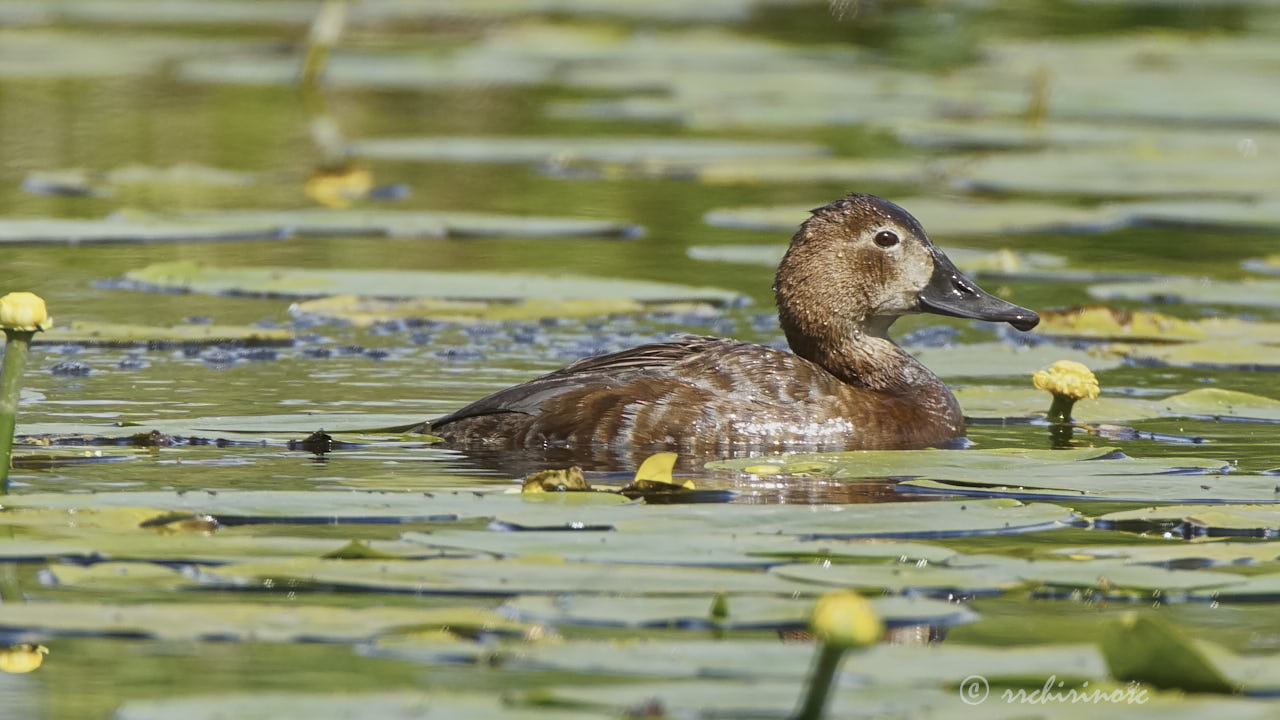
x=1069, y=378
x=24, y=311
x=846, y=619
x=22, y=658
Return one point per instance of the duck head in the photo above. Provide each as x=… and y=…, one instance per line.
x=860, y=263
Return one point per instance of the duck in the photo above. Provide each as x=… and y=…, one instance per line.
x=854, y=267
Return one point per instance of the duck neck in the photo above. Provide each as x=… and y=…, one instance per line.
x=861, y=354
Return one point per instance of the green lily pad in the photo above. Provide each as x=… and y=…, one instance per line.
x=406, y=223
x=744, y=612
x=243, y=622
x=365, y=311
x=1110, y=173
x=34, y=53
x=1169, y=487
x=986, y=401
x=209, y=225
x=721, y=550
x=1243, y=355
x=498, y=287
x=391, y=70
x=880, y=665
x=1143, y=649
x=945, y=218
x=998, y=402
x=649, y=152
x=1222, y=215
x=175, y=179
x=1000, y=263
x=1000, y=360
x=992, y=579
x=1241, y=520
x=1183, y=554
x=239, y=428
x=473, y=576
x=85, y=332
x=1252, y=293
x=882, y=520
x=836, y=170
x=324, y=706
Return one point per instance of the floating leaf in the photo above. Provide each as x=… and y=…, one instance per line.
x=1141, y=648
x=1253, y=293
x=1220, y=215
x=1099, y=322
x=500, y=287
x=84, y=332
x=1000, y=360
x=680, y=546
x=243, y=622
x=998, y=402
x=944, y=218
x=1124, y=486
x=1213, y=520
x=365, y=311
x=741, y=612
x=1247, y=355
x=325, y=706
x=835, y=170
x=319, y=222
x=1183, y=554
x=649, y=152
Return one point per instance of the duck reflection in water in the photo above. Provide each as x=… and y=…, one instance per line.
x=853, y=268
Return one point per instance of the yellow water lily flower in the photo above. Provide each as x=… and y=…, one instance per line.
x=846, y=619
x=22, y=658
x=1069, y=378
x=24, y=311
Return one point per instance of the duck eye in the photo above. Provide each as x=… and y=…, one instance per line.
x=886, y=239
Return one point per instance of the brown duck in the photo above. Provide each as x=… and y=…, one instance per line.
x=852, y=269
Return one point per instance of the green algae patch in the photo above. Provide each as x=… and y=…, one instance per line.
x=90, y=333
x=463, y=286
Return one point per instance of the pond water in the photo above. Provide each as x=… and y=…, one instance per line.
x=1064, y=154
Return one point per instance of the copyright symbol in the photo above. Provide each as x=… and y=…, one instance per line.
x=974, y=690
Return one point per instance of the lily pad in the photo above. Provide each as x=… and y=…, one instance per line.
x=1212, y=520
x=943, y=218
x=1182, y=554
x=744, y=612
x=1223, y=215
x=1250, y=293
x=1243, y=355
x=649, y=152
x=250, y=427
x=1269, y=264
x=179, y=178
x=982, y=263
x=838, y=170
x=1169, y=487
x=498, y=287
x=89, y=333
x=726, y=549
x=324, y=706
x=1137, y=173
x=407, y=223
x=997, y=402
x=388, y=70
x=365, y=311
x=1000, y=360
x=243, y=622
x=503, y=578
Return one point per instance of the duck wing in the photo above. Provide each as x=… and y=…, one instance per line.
x=602, y=371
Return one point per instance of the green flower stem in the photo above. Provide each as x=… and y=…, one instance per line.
x=15, y=357
x=820, y=680
x=1060, y=410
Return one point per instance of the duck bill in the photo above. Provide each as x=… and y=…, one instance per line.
x=949, y=292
